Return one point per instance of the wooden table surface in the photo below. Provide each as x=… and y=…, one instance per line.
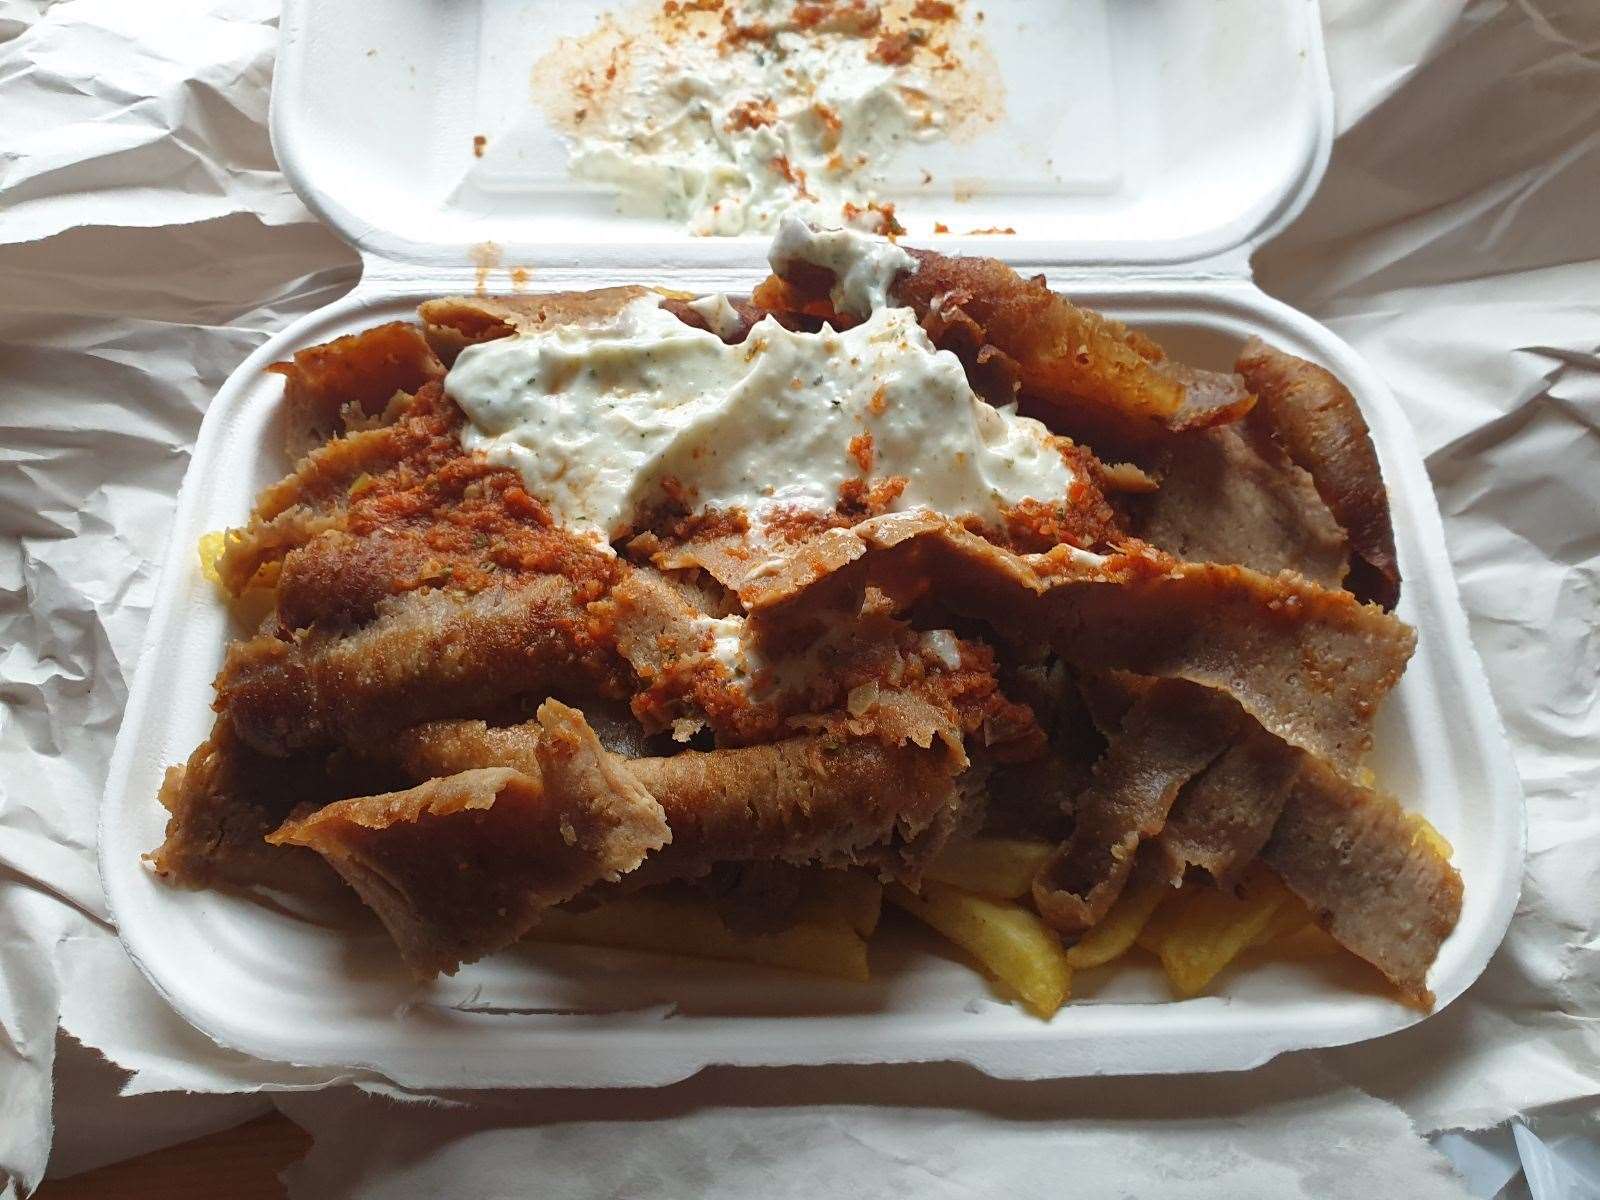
x=237, y=1164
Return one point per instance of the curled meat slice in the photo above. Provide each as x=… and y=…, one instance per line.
x=359, y=372
x=1320, y=424
x=1309, y=664
x=226, y=799
x=427, y=654
x=826, y=798
x=1370, y=872
x=1221, y=819
x=1169, y=736
x=461, y=866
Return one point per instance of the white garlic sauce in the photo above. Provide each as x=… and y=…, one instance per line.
x=729, y=135
x=601, y=421
x=864, y=268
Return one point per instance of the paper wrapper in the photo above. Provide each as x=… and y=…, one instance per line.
x=147, y=243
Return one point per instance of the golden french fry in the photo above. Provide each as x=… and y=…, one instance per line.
x=1002, y=867
x=1010, y=942
x=1202, y=929
x=211, y=546
x=690, y=926
x=1424, y=832
x=854, y=897
x=1121, y=927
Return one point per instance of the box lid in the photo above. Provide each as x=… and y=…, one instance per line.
x=1159, y=136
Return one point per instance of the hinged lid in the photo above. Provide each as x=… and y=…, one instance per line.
x=1163, y=135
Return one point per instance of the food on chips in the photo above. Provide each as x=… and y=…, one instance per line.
x=688, y=623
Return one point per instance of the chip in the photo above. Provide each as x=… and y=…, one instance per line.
x=1002, y=867
x=854, y=897
x=1010, y=942
x=670, y=922
x=1202, y=929
x=1120, y=928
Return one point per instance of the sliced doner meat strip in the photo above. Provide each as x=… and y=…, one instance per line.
x=1309, y=664
x=1170, y=735
x=357, y=373
x=227, y=797
x=427, y=654
x=1373, y=874
x=1231, y=495
x=1320, y=425
x=833, y=798
x=461, y=866
x=1223, y=817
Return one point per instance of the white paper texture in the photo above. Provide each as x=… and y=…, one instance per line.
x=147, y=243
x=1286, y=1131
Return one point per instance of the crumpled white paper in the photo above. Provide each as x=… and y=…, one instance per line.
x=1288, y=1130
x=147, y=243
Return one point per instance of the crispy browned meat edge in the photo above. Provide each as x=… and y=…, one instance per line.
x=1320, y=424
x=462, y=865
x=1358, y=861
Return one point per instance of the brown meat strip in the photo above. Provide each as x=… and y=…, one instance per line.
x=363, y=370
x=228, y=797
x=1320, y=424
x=428, y=654
x=1309, y=664
x=461, y=866
x=1355, y=857
x=1169, y=736
x=1221, y=819
x=1228, y=496
x=817, y=798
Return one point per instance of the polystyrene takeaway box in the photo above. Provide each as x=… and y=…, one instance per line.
x=1147, y=148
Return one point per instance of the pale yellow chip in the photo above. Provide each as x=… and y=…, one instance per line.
x=1202, y=929
x=854, y=897
x=1120, y=928
x=691, y=926
x=1010, y=942
x=211, y=546
x=1002, y=867
x=1422, y=831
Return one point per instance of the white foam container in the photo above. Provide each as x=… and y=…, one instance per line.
x=1193, y=132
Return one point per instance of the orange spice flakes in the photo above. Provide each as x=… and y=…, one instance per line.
x=862, y=449
x=752, y=114
x=933, y=10
x=479, y=145
x=831, y=124
x=897, y=49
x=858, y=17
x=858, y=499
x=782, y=165
x=876, y=217
x=940, y=227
